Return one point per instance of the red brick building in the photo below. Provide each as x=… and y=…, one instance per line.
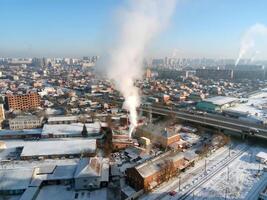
x=154, y=172
x=23, y=101
x=164, y=137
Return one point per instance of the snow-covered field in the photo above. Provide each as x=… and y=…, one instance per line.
x=236, y=180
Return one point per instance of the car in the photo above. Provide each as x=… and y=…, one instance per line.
x=172, y=193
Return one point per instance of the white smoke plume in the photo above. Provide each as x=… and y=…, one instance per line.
x=140, y=21
x=249, y=38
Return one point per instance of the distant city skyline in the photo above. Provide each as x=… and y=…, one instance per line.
x=205, y=28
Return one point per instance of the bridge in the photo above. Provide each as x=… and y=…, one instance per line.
x=213, y=120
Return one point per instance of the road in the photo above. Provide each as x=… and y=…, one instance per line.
x=218, y=121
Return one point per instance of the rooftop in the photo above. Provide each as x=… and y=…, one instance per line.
x=62, y=118
x=15, y=179
x=59, y=147
x=148, y=168
x=70, y=129
x=220, y=100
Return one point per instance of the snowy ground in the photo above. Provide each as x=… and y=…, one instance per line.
x=254, y=105
x=242, y=177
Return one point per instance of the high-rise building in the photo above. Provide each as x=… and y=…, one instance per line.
x=23, y=102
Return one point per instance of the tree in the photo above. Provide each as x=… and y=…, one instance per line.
x=84, y=131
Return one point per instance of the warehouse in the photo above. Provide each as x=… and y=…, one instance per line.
x=71, y=130
x=14, y=181
x=58, y=149
x=63, y=119
x=216, y=104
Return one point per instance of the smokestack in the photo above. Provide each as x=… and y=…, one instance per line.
x=141, y=21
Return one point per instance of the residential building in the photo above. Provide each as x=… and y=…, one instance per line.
x=23, y=101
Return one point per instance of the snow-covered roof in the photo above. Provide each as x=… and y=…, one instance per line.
x=95, y=166
x=221, y=100
x=21, y=132
x=151, y=167
x=62, y=129
x=15, y=179
x=262, y=155
x=70, y=129
x=59, y=147
x=62, y=118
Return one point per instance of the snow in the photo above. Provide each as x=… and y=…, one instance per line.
x=70, y=129
x=13, y=179
x=62, y=129
x=11, y=147
x=242, y=176
x=62, y=119
x=192, y=175
x=60, y=147
x=57, y=192
x=255, y=106
x=220, y=100
x=189, y=137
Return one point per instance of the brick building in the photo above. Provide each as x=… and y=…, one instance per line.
x=156, y=134
x=154, y=172
x=23, y=101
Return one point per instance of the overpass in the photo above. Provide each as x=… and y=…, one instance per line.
x=217, y=121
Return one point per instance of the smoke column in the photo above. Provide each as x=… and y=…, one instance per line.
x=248, y=40
x=140, y=21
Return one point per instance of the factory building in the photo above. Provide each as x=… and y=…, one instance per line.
x=216, y=104
x=23, y=101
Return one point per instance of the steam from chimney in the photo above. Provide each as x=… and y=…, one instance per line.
x=139, y=23
x=248, y=40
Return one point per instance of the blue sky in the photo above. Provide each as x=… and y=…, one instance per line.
x=210, y=28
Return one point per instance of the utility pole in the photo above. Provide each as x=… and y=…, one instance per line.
x=205, y=166
x=228, y=173
x=179, y=183
x=226, y=190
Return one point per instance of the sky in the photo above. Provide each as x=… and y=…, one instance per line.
x=76, y=28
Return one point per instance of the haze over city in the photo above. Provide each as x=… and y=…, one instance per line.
x=133, y=100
